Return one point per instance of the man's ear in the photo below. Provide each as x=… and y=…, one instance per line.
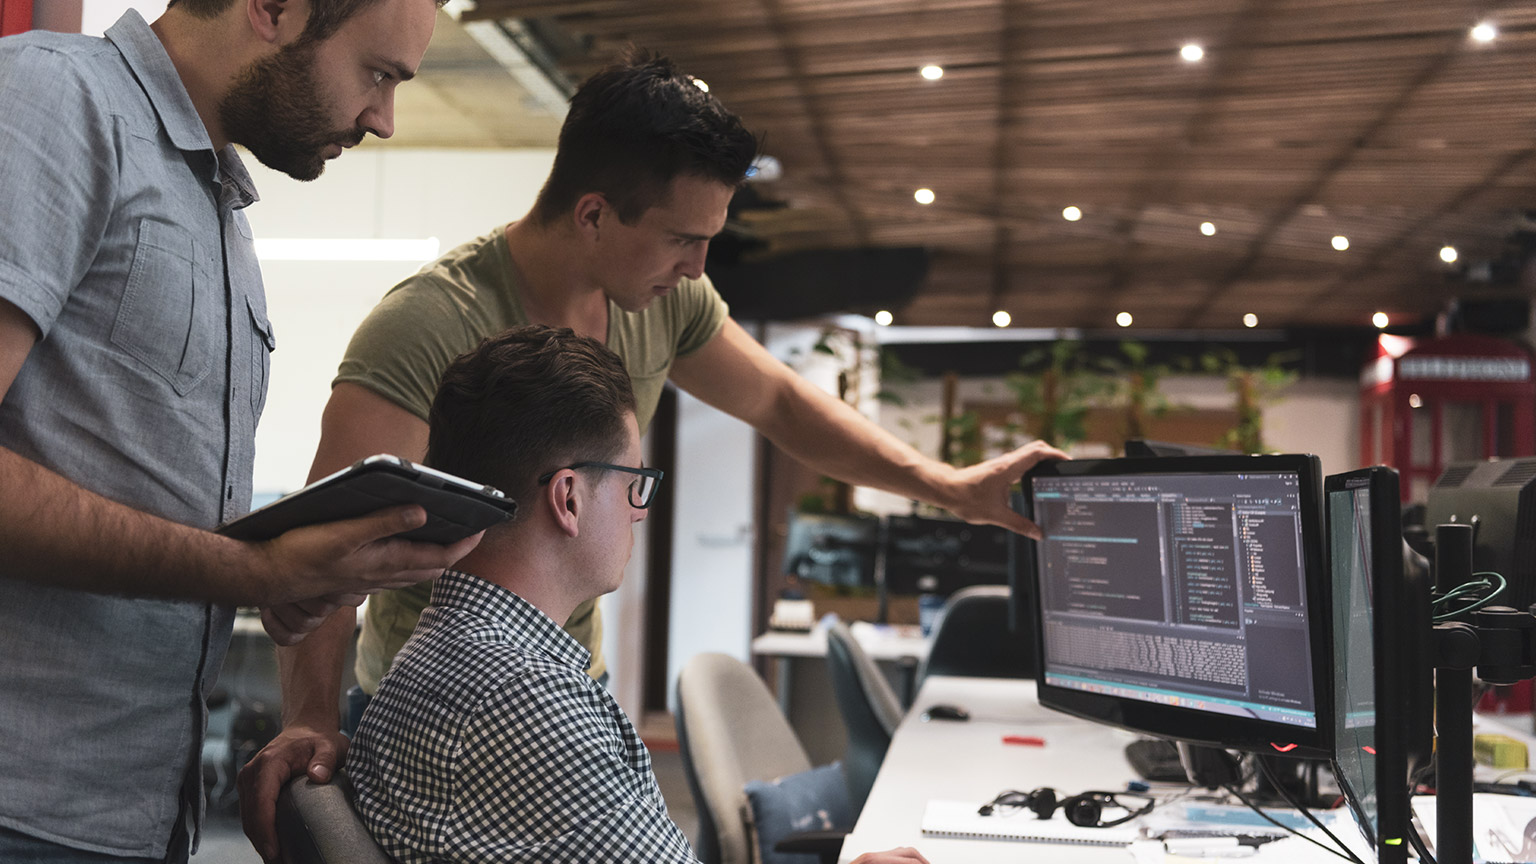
x=563, y=497
x=591, y=213
x=277, y=22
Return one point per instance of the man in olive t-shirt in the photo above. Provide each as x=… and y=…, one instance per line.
x=400, y=351
x=644, y=171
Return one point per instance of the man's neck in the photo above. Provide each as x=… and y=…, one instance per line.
x=524, y=575
x=556, y=290
x=197, y=50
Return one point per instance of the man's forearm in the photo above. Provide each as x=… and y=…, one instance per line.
x=829, y=436
x=310, y=672
x=58, y=533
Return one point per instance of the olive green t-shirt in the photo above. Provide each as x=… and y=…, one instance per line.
x=402, y=347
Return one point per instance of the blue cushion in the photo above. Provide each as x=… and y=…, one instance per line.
x=814, y=800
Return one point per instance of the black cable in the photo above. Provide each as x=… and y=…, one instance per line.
x=1284, y=793
x=1277, y=823
x=1414, y=840
x=1264, y=767
x=1419, y=848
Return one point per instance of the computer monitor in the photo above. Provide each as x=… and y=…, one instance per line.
x=1185, y=598
x=1497, y=497
x=955, y=553
x=832, y=549
x=1382, y=683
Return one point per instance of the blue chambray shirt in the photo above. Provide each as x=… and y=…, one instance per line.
x=121, y=236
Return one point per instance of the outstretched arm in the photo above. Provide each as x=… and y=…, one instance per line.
x=737, y=375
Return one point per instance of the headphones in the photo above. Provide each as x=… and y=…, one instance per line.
x=1085, y=809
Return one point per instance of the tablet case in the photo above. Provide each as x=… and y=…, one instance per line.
x=456, y=508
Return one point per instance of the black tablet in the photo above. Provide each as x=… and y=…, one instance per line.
x=456, y=508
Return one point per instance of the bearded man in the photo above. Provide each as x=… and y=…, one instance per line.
x=133, y=368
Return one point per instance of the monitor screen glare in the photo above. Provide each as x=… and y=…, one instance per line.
x=1185, y=590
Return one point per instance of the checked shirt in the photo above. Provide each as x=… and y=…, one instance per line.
x=488, y=742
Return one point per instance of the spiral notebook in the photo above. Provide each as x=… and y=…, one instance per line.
x=959, y=819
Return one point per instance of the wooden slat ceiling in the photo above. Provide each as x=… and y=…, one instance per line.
x=1380, y=120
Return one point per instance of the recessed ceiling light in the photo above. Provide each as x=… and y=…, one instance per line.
x=1208, y=228
x=883, y=318
x=1380, y=320
x=1250, y=320
x=1071, y=214
x=931, y=72
x=1340, y=242
x=699, y=83
x=1001, y=318
x=1485, y=32
x=1448, y=254
x=1124, y=319
x=1192, y=53
x=923, y=196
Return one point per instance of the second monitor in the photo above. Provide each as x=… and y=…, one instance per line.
x=1185, y=598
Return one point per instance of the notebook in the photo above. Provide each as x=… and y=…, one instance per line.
x=960, y=819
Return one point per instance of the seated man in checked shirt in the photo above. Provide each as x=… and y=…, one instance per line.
x=487, y=741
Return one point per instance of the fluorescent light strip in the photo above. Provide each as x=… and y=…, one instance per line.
x=346, y=249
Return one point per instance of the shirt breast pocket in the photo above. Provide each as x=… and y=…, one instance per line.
x=263, y=343
x=168, y=313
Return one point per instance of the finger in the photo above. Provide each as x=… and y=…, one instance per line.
x=464, y=547
x=1016, y=523
x=413, y=555
x=279, y=631
x=259, y=783
x=318, y=607
x=337, y=601
x=323, y=763
x=359, y=532
x=292, y=621
x=1029, y=455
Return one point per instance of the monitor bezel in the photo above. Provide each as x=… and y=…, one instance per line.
x=1381, y=485
x=1186, y=724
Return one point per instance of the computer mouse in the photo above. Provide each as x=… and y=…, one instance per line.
x=946, y=712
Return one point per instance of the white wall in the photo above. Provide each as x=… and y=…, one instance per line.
x=712, y=538
x=315, y=306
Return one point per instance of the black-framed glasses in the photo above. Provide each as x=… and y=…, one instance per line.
x=641, y=492
x=1085, y=809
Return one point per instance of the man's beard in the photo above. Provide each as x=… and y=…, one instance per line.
x=274, y=109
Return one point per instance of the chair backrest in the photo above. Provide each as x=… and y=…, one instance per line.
x=318, y=824
x=869, y=707
x=972, y=638
x=729, y=731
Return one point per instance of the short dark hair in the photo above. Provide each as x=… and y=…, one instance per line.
x=528, y=401
x=634, y=127
x=325, y=16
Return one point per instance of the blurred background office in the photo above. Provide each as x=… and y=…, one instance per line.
x=1280, y=226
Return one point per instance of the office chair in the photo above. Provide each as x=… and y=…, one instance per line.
x=730, y=732
x=869, y=707
x=318, y=824
x=972, y=638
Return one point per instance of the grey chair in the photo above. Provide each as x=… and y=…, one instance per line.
x=318, y=824
x=729, y=732
x=971, y=637
x=870, y=709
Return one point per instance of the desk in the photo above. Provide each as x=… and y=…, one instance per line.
x=880, y=642
x=968, y=762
